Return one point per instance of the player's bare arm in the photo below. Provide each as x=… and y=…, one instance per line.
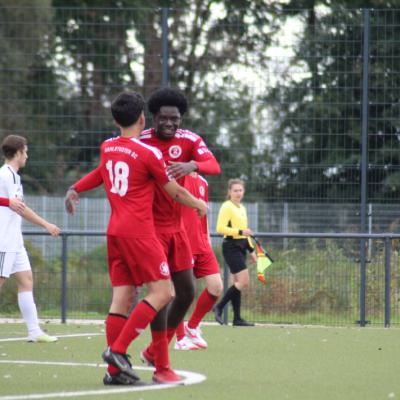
x=31, y=216
x=15, y=204
x=90, y=181
x=181, y=195
x=181, y=169
x=207, y=167
x=253, y=257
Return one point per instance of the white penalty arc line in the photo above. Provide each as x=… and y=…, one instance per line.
x=191, y=378
x=22, y=339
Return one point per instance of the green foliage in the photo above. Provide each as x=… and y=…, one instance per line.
x=318, y=137
x=89, y=289
x=318, y=283
x=88, y=286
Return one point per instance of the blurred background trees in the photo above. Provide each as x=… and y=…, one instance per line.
x=275, y=89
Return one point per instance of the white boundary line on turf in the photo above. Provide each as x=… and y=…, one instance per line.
x=191, y=378
x=54, y=321
x=21, y=339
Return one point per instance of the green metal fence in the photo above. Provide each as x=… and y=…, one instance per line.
x=301, y=103
x=316, y=279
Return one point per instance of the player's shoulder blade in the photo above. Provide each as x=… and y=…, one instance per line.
x=146, y=134
x=187, y=135
x=147, y=148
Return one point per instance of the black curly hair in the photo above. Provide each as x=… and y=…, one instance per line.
x=167, y=96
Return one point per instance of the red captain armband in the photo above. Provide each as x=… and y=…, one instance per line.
x=4, y=201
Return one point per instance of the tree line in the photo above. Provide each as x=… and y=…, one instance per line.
x=288, y=124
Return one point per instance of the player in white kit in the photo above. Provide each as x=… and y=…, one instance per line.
x=13, y=256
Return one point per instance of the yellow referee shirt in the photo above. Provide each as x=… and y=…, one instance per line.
x=232, y=218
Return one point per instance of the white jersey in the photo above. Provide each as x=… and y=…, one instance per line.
x=10, y=222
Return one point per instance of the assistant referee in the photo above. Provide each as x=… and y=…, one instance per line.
x=232, y=223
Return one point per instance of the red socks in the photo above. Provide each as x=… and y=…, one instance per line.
x=159, y=350
x=137, y=322
x=204, y=304
x=180, y=331
x=114, y=326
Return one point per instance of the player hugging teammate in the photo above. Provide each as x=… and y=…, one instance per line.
x=141, y=186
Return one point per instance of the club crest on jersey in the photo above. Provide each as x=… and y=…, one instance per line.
x=202, y=191
x=164, y=269
x=175, y=151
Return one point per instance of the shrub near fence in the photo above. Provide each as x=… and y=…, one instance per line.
x=308, y=283
x=312, y=281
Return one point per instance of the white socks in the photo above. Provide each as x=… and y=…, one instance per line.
x=27, y=306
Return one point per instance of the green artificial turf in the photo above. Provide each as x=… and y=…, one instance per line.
x=264, y=362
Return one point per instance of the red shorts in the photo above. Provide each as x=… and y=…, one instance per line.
x=177, y=250
x=205, y=264
x=135, y=261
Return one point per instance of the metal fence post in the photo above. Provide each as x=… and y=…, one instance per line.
x=364, y=162
x=388, y=251
x=64, y=286
x=165, y=49
x=226, y=283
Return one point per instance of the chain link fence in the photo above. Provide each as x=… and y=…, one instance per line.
x=315, y=280
x=301, y=103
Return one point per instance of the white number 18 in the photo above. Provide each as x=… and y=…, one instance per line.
x=118, y=177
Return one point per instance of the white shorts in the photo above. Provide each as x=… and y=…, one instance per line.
x=10, y=263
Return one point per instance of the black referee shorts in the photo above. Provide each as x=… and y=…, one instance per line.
x=234, y=251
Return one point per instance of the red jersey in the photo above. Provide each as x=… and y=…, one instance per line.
x=185, y=146
x=196, y=228
x=130, y=170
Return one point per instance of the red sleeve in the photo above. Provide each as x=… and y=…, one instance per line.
x=206, y=163
x=209, y=167
x=90, y=181
x=4, y=201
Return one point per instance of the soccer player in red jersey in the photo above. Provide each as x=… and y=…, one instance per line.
x=206, y=266
x=130, y=171
x=184, y=152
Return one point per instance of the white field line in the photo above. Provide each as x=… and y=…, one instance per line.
x=22, y=339
x=100, y=322
x=191, y=378
x=55, y=321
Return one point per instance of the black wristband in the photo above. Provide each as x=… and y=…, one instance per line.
x=72, y=188
x=240, y=232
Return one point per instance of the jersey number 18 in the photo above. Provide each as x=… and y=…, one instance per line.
x=118, y=177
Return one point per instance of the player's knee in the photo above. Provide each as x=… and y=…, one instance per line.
x=166, y=297
x=186, y=294
x=215, y=288
x=242, y=284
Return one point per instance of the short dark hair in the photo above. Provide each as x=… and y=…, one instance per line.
x=167, y=96
x=11, y=144
x=127, y=107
